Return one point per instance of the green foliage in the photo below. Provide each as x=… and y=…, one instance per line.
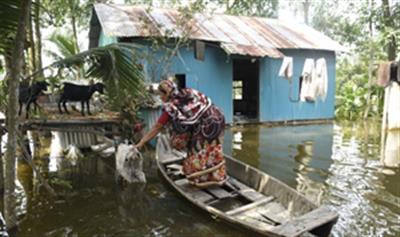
x=57, y=13
x=364, y=29
x=115, y=65
x=9, y=15
x=261, y=8
x=65, y=46
x=352, y=92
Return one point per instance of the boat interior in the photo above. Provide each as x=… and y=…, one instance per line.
x=254, y=199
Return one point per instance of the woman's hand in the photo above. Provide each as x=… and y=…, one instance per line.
x=139, y=145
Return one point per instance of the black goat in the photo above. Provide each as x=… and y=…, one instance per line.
x=29, y=94
x=72, y=92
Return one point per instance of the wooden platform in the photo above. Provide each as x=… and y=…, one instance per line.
x=96, y=123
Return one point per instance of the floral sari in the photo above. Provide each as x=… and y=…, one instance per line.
x=197, y=126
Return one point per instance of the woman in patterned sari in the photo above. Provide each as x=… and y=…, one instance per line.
x=196, y=126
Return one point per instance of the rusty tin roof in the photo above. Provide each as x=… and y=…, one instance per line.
x=252, y=36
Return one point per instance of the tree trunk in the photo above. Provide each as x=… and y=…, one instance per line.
x=370, y=65
x=12, y=117
x=391, y=47
x=38, y=39
x=73, y=22
x=32, y=52
x=72, y=4
x=306, y=7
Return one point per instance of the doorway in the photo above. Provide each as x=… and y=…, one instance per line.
x=246, y=90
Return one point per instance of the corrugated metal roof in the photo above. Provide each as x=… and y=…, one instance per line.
x=238, y=35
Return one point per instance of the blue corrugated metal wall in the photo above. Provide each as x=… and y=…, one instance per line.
x=215, y=74
x=104, y=40
x=274, y=90
x=213, y=77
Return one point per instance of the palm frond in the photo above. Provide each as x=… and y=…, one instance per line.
x=115, y=64
x=9, y=16
x=65, y=44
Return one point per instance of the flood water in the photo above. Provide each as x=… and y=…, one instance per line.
x=343, y=166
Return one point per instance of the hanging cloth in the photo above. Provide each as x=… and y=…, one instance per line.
x=307, y=92
x=321, y=79
x=393, y=106
x=286, y=69
x=384, y=74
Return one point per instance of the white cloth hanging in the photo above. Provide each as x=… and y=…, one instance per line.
x=321, y=79
x=286, y=69
x=392, y=106
x=307, y=92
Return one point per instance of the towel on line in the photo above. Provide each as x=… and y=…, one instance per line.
x=286, y=69
x=384, y=73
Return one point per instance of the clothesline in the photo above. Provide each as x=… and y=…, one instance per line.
x=313, y=83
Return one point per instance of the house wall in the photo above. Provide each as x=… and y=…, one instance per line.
x=216, y=74
x=213, y=76
x=274, y=90
x=104, y=40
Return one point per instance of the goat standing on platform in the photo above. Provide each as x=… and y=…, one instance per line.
x=30, y=94
x=72, y=92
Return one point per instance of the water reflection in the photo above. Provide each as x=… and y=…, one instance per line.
x=311, y=189
x=91, y=201
x=338, y=165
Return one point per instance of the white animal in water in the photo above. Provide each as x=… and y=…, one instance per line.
x=129, y=163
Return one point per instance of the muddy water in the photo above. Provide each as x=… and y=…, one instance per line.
x=345, y=166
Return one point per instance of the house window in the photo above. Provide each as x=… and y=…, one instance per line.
x=237, y=90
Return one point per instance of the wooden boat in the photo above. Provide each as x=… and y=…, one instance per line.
x=250, y=198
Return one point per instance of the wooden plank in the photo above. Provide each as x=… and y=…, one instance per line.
x=167, y=159
x=249, y=206
x=256, y=222
x=193, y=192
x=255, y=215
x=218, y=192
x=244, y=190
x=236, y=183
x=175, y=169
x=251, y=195
x=307, y=222
x=275, y=212
x=178, y=153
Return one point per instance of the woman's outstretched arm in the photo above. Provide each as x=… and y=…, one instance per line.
x=150, y=135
